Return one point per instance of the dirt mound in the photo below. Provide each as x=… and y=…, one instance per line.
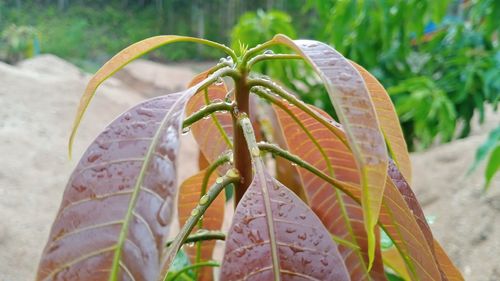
x=467, y=220
x=38, y=100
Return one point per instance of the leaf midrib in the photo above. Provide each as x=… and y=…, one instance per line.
x=137, y=187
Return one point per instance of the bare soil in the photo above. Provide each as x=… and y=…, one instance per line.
x=38, y=99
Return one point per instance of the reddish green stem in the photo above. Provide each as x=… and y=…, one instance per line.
x=242, y=160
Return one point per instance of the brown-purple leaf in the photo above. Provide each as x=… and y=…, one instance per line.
x=117, y=206
x=304, y=248
x=340, y=214
x=356, y=112
x=86, y=233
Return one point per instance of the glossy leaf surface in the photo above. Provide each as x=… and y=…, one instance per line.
x=118, y=203
x=389, y=122
x=189, y=196
x=398, y=221
x=355, y=109
x=340, y=214
x=304, y=249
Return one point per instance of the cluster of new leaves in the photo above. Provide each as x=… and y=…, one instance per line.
x=318, y=218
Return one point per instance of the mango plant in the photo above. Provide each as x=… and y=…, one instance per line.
x=317, y=216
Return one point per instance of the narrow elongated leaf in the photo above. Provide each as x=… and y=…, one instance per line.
x=189, y=196
x=397, y=219
x=341, y=215
x=446, y=266
x=212, y=134
x=271, y=216
x=389, y=122
x=118, y=203
x=355, y=109
x=119, y=61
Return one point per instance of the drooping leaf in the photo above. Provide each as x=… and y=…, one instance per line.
x=447, y=268
x=275, y=236
x=118, y=203
x=389, y=122
x=398, y=221
x=446, y=265
x=119, y=61
x=400, y=224
x=354, y=107
x=340, y=214
x=189, y=196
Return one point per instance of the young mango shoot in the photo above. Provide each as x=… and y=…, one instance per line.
x=311, y=194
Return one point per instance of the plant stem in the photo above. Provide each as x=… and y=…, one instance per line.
x=226, y=157
x=207, y=110
x=196, y=265
x=298, y=103
x=278, y=151
x=231, y=176
x=202, y=235
x=265, y=57
x=242, y=160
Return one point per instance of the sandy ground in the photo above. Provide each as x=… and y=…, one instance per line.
x=38, y=99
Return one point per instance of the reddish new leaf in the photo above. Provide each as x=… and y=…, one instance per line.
x=212, y=134
x=189, y=196
x=398, y=221
x=303, y=247
x=340, y=214
x=118, y=203
x=446, y=266
x=354, y=107
x=389, y=122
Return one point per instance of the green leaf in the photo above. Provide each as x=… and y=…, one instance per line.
x=492, y=166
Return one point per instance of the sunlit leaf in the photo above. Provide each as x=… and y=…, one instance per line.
x=189, y=196
x=275, y=236
x=340, y=214
x=355, y=110
x=389, y=122
x=119, y=61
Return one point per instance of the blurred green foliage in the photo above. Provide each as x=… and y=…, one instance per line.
x=491, y=149
x=18, y=42
x=439, y=60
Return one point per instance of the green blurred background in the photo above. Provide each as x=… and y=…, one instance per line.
x=438, y=59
